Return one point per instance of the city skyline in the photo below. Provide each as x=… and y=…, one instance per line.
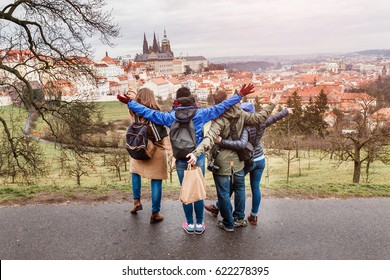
x=236, y=28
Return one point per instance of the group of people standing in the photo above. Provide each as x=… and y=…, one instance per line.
x=229, y=176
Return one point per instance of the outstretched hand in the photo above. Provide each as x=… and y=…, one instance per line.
x=275, y=100
x=123, y=98
x=246, y=89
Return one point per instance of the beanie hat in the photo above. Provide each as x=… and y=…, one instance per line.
x=248, y=107
x=183, y=92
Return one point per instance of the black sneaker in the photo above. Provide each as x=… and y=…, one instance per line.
x=221, y=225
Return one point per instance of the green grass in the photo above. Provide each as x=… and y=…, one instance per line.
x=11, y=112
x=114, y=110
x=322, y=180
x=309, y=178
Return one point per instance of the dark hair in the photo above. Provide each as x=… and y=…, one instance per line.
x=219, y=96
x=183, y=92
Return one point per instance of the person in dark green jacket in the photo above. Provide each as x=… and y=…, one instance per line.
x=231, y=170
x=253, y=135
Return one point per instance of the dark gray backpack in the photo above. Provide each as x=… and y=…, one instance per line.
x=182, y=135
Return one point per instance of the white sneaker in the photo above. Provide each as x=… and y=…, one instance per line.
x=189, y=228
x=200, y=228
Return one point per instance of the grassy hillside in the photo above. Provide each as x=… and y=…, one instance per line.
x=310, y=177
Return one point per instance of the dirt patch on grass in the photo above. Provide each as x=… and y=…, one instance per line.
x=118, y=196
x=74, y=197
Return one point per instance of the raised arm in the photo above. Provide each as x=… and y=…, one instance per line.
x=274, y=118
x=154, y=115
x=217, y=110
x=260, y=117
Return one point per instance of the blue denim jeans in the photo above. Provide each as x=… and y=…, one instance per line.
x=156, y=185
x=224, y=188
x=181, y=165
x=255, y=172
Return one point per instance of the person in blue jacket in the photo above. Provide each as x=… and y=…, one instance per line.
x=252, y=134
x=185, y=105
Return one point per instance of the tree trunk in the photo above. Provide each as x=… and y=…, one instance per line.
x=356, y=171
x=267, y=170
x=78, y=180
x=119, y=173
x=357, y=165
x=13, y=174
x=368, y=170
x=299, y=167
x=288, y=165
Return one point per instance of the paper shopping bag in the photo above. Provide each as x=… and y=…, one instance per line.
x=193, y=187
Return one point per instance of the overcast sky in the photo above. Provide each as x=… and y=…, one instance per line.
x=215, y=28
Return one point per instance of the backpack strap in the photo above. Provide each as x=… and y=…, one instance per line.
x=233, y=128
x=156, y=134
x=137, y=120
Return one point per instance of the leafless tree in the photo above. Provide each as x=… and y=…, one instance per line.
x=171, y=159
x=30, y=163
x=43, y=43
x=115, y=160
x=77, y=164
x=362, y=142
x=284, y=143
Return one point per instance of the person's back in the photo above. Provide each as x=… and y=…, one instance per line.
x=221, y=127
x=255, y=168
x=230, y=174
x=155, y=168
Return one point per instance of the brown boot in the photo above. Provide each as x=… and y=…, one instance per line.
x=137, y=206
x=252, y=219
x=156, y=218
x=211, y=208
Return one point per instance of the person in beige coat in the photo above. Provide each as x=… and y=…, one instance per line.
x=156, y=168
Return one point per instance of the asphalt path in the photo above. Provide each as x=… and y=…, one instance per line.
x=288, y=229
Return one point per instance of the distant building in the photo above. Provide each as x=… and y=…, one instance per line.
x=159, y=86
x=196, y=63
x=174, y=85
x=160, y=58
x=108, y=67
x=380, y=118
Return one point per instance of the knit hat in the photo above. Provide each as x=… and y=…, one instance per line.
x=183, y=92
x=248, y=107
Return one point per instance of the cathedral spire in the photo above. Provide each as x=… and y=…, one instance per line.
x=145, y=47
x=165, y=45
x=155, y=45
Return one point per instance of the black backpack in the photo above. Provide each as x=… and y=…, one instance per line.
x=138, y=144
x=245, y=154
x=182, y=135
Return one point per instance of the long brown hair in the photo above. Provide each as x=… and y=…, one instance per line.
x=145, y=96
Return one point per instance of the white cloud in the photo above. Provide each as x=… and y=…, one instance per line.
x=237, y=27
